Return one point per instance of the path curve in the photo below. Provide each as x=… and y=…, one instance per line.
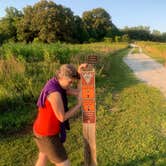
x=147, y=69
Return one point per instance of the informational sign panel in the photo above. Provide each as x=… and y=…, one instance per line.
x=89, y=117
x=88, y=96
x=92, y=59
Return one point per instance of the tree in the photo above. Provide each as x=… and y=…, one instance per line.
x=138, y=33
x=24, y=28
x=44, y=20
x=96, y=22
x=125, y=38
x=80, y=33
x=113, y=31
x=8, y=24
x=48, y=22
x=156, y=35
x=53, y=22
x=66, y=25
x=163, y=37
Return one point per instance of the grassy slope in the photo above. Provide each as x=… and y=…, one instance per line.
x=155, y=50
x=131, y=123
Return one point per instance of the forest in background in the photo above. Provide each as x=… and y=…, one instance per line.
x=48, y=22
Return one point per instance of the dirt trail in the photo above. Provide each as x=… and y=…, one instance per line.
x=147, y=70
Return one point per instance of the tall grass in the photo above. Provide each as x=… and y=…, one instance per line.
x=155, y=50
x=25, y=68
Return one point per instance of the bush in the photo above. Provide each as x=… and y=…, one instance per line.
x=92, y=40
x=117, y=38
x=108, y=39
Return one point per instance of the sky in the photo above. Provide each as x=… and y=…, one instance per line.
x=123, y=13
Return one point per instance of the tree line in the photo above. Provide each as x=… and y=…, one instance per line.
x=48, y=22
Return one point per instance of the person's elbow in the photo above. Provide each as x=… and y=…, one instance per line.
x=60, y=116
x=61, y=119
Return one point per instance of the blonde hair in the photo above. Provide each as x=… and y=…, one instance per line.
x=67, y=70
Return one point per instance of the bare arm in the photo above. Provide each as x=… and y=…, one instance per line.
x=82, y=66
x=73, y=91
x=58, y=108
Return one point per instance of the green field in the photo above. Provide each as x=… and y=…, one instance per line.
x=131, y=117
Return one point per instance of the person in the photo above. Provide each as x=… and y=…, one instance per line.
x=53, y=114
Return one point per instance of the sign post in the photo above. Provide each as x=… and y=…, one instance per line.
x=89, y=116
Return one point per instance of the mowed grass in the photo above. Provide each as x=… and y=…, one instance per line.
x=131, y=124
x=131, y=129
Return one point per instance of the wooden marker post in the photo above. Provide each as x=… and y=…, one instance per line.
x=89, y=116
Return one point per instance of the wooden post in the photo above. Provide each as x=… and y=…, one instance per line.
x=89, y=116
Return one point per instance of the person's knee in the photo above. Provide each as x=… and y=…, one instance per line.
x=42, y=159
x=42, y=156
x=64, y=163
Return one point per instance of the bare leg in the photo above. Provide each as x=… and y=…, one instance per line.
x=42, y=159
x=65, y=163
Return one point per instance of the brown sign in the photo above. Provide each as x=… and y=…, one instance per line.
x=88, y=96
x=89, y=117
x=89, y=105
x=88, y=79
x=92, y=59
x=88, y=92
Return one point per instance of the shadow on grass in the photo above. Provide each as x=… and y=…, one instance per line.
x=16, y=115
x=117, y=75
x=121, y=76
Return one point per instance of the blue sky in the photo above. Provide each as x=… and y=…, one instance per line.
x=123, y=12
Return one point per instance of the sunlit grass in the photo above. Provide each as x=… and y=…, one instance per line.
x=155, y=50
x=131, y=123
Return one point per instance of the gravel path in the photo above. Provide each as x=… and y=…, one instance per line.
x=147, y=70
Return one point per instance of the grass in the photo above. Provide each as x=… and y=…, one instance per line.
x=129, y=129
x=131, y=123
x=136, y=50
x=155, y=50
x=21, y=79
x=134, y=130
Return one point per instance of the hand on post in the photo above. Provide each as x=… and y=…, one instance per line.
x=82, y=66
